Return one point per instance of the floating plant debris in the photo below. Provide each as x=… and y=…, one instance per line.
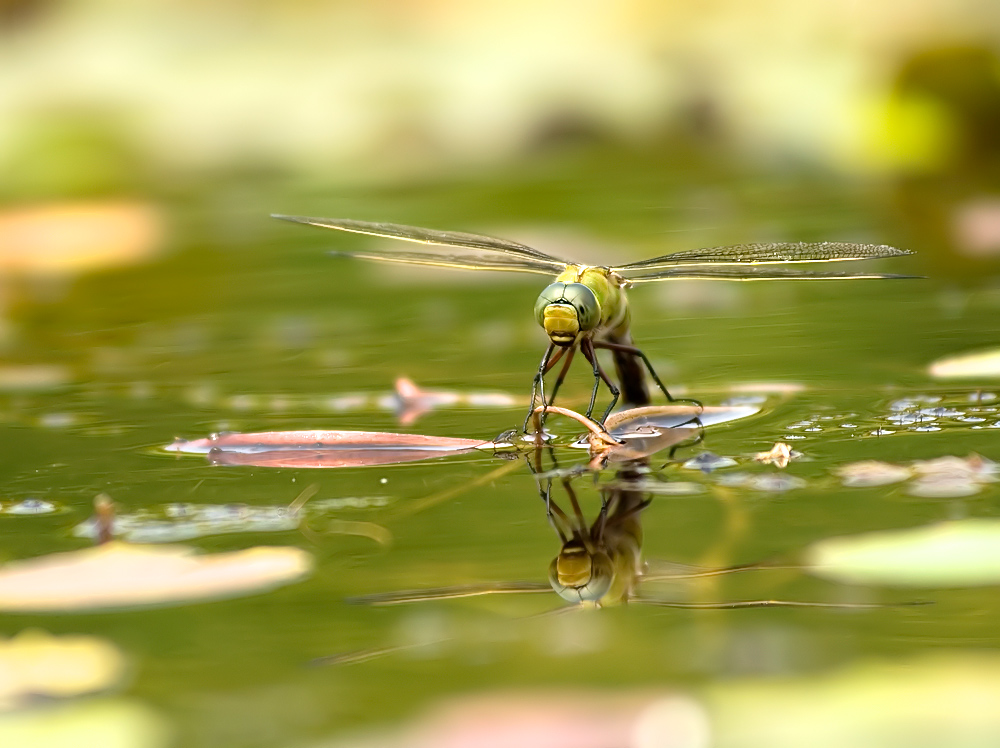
x=707, y=462
x=29, y=506
x=408, y=401
x=920, y=413
x=171, y=523
x=780, y=455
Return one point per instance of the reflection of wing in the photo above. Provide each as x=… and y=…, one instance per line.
x=765, y=254
x=747, y=273
x=469, y=251
x=448, y=593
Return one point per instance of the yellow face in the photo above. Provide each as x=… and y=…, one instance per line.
x=565, y=310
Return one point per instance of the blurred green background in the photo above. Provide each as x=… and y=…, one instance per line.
x=145, y=294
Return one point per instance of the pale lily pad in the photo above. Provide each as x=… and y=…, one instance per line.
x=119, y=575
x=967, y=365
x=869, y=473
x=965, y=553
x=36, y=664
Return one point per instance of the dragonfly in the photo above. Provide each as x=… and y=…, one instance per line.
x=585, y=308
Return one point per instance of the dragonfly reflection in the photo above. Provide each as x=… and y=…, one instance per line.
x=585, y=308
x=599, y=564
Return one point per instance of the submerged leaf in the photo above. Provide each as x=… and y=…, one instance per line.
x=965, y=553
x=118, y=575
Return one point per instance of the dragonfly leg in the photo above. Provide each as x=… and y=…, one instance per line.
x=636, y=352
x=562, y=373
x=538, y=383
x=587, y=347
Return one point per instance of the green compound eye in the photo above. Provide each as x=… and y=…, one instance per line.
x=588, y=310
x=549, y=295
x=577, y=295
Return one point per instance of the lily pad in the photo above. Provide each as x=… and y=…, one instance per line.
x=36, y=664
x=964, y=553
x=119, y=575
x=869, y=473
x=984, y=363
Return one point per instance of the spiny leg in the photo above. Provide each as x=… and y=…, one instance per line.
x=562, y=372
x=538, y=383
x=649, y=367
x=636, y=352
x=560, y=378
x=587, y=347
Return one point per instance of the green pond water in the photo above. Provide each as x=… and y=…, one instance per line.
x=245, y=324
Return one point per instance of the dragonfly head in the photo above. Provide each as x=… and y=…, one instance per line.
x=567, y=309
x=579, y=574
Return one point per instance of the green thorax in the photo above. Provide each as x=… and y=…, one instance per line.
x=608, y=288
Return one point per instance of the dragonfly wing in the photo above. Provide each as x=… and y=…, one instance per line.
x=747, y=273
x=479, y=261
x=766, y=254
x=470, y=251
x=450, y=593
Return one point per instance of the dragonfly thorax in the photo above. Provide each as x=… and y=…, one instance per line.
x=566, y=309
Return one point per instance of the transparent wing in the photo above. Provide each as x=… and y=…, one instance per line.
x=449, y=593
x=766, y=254
x=467, y=251
x=748, y=273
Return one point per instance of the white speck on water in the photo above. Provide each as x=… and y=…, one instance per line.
x=31, y=506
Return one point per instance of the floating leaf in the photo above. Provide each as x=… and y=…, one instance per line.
x=965, y=553
x=869, y=473
x=675, y=416
x=967, y=365
x=36, y=664
x=323, y=449
x=118, y=575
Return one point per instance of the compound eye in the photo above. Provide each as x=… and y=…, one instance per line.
x=584, y=300
x=550, y=294
x=591, y=589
